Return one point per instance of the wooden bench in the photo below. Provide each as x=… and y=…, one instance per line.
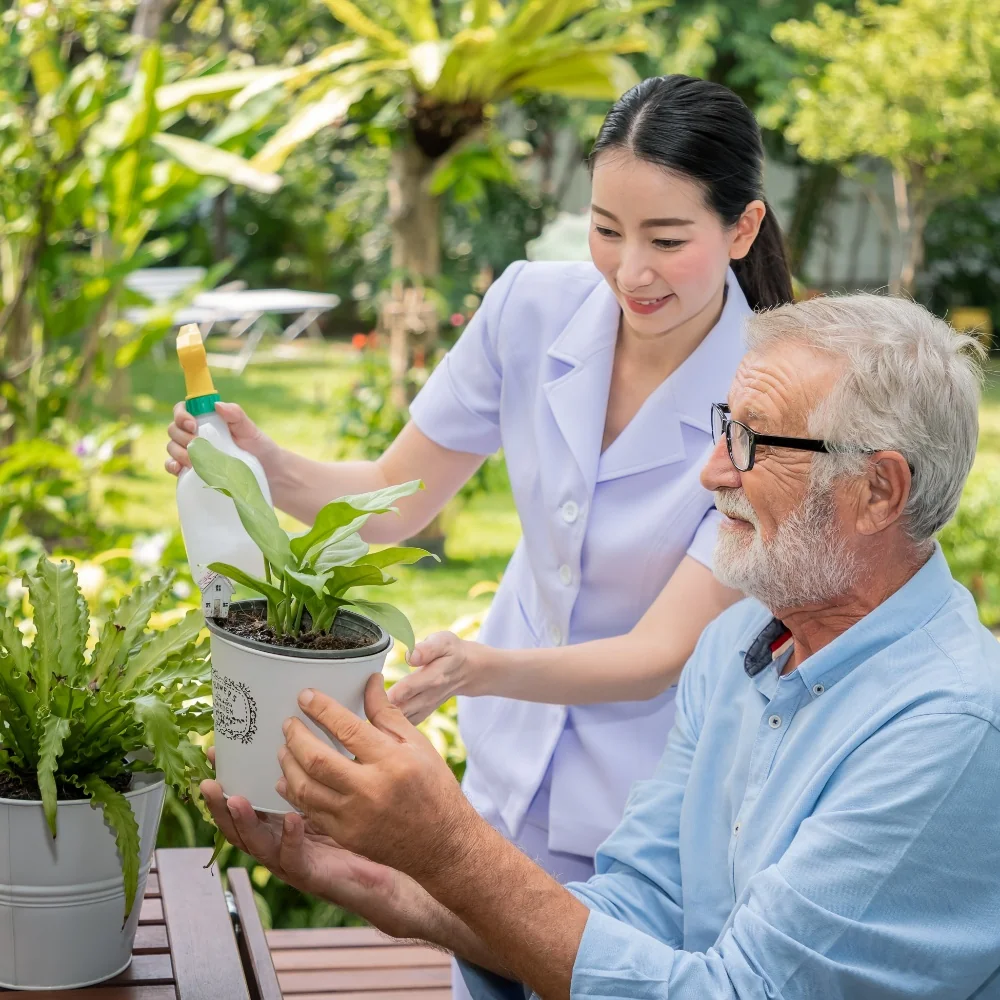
x=337, y=963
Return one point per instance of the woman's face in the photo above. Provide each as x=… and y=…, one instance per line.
x=662, y=250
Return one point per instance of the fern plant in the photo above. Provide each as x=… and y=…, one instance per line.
x=76, y=722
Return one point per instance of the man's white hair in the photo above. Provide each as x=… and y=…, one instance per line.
x=910, y=384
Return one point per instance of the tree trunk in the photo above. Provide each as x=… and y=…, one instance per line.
x=414, y=214
x=812, y=196
x=911, y=218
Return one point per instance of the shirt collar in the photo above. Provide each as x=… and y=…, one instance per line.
x=907, y=610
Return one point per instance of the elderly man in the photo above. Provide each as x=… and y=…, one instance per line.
x=824, y=820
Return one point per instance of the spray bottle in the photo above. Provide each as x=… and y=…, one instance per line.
x=210, y=525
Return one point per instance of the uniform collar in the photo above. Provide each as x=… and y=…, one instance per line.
x=906, y=611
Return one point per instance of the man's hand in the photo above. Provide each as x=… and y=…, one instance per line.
x=310, y=861
x=397, y=802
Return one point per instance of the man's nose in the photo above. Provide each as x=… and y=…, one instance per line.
x=719, y=471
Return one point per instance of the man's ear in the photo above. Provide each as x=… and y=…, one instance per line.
x=885, y=492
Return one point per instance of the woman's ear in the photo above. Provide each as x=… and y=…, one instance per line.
x=885, y=494
x=746, y=229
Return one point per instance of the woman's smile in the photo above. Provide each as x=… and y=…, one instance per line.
x=646, y=307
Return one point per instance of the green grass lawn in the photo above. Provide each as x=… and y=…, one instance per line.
x=295, y=401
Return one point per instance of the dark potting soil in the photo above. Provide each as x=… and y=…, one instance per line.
x=25, y=787
x=248, y=623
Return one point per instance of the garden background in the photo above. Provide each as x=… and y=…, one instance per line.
x=365, y=147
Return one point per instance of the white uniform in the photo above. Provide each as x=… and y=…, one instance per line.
x=602, y=533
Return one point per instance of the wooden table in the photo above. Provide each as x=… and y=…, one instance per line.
x=194, y=944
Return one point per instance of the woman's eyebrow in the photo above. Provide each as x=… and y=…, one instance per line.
x=646, y=223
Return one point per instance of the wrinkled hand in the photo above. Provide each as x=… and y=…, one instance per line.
x=245, y=433
x=445, y=666
x=300, y=855
x=396, y=803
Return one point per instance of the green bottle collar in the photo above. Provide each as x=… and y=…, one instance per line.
x=197, y=405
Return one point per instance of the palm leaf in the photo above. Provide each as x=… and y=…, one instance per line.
x=537, y=18
x=119, y=816
x=215, y=86
x=61, y=620
x=418, y=18
x=595, y=77
x=209, y=161
x=54, y=732
x=351, y=17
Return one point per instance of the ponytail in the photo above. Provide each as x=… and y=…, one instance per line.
x=763, y=273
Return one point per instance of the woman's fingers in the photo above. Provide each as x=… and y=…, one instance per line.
x=429, y=649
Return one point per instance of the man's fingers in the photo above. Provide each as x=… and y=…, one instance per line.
x=344, y=726
x=212, y=793
x=317, y=758
x=385, y=716
x=303, y=791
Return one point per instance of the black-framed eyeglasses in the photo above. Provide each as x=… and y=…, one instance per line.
x=742, y=441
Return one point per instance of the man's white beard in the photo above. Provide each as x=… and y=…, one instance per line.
x=807, y=561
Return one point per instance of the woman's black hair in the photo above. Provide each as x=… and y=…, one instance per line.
x=702, y=130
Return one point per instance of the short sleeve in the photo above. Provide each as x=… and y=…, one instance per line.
x=702, y=545
x=459, y=407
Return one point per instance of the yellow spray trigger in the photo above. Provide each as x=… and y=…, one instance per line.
x=191, y=354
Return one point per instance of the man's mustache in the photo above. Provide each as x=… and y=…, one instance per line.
x=734, y=503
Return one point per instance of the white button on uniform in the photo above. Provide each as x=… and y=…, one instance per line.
x=565, y=575
x=736, y=830
x=570, y=511
x=555, y=635
x=774, y=722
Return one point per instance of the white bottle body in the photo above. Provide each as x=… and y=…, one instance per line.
x=210, y=525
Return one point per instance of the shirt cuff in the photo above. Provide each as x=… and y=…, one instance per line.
x=485, y=985
x=615, y=960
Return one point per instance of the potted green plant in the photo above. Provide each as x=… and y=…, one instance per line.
x=89, y=735
x=306, y=630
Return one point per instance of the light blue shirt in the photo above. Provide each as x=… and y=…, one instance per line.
x=832, y=833
x=603, y=531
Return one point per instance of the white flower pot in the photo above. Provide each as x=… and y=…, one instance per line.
x=255, y=687
x=62, y=901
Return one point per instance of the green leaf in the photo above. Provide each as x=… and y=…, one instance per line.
x=163, y=645
x=351, y=17
x=162, y=736
x=598, y=77
x=135, y=610
x=343, y=578
x=62, y=620
x=310, y=581
x=212, y=87
x=54, y=732
x=232, y=477
x=119, y=816
x=398, y=555
x=331, y=518
x=337, y=551
x=272, y=593
x=209, y=161
x=381, y=501
x=107, y=653
x=418, y=17
x=390, y=618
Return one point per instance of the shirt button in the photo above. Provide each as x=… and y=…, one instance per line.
x=570, y=511
x=555, y=635
x=818, y=689
x=774, y=722
x=736, y=830
x=565, y=575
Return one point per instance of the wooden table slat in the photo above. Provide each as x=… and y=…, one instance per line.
x=116, y=993
x=340, y=980
x=431, y=994
x=401, y=956
x=329, y=937
x=152, y=885
x=151, y=912
x=150, y=970
x=196, y=915
x=151, y=939
x=252, y=941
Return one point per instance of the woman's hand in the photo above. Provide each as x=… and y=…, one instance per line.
x=246, y=435
x=445, y=666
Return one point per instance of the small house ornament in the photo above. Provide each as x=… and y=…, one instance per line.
x=216, y=593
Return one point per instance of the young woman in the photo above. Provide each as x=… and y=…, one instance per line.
x=597, y=381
